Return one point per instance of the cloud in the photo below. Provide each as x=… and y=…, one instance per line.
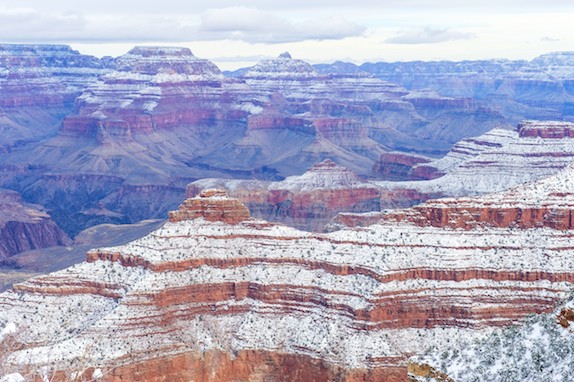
x=549, y=39
x=22, y=24
x=428, y=36
x=256, y=26
x=232, y=23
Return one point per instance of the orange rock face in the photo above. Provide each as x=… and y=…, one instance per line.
x=547, y=203
x=212, y=205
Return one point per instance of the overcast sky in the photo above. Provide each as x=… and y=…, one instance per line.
x=239, y=33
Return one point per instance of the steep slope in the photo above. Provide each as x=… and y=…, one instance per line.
x=202, y=299
x=38, y=84
x=538, y=350
x=24, y=227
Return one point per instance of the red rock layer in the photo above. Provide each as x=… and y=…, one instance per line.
x=399, y=166
x=455, y=215
x=546, y=203
x=244, y=366
x=554, y=130
x=307, y=201
x=212, y=205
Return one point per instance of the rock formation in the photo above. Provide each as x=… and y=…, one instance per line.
x=399, y=166
x=117, y=140
x=38, y=85
x=539, y=89
x=497, y=160
x=308, y=201
x=153, y=88
x=212, y=205
x=24, y=227
x=546, y=203
x=247, y=299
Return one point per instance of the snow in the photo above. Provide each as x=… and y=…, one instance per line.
x=97, y=374
x=347, y=271
x=15, y=377
x=9, y=329
x=538, y=350
x=494, y=162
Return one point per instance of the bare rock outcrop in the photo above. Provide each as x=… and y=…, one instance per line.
x=212, y=205
x=306, y=201
x=24, y=227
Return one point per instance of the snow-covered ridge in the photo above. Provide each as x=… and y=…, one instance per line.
x=324, y=175
x=200, y=286
x=500, y=159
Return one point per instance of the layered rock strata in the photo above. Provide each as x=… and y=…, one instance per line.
x=152, y=88
x=208, y=300
x=307, y=201
x=539, y=89
x=546, y=203
x=24, y=227
x=38, y=85
x=498, y=160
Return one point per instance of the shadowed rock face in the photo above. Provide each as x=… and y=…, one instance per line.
x=23, y=227
x=219, y=296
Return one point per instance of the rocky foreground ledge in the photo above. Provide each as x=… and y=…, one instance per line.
x=215, y=295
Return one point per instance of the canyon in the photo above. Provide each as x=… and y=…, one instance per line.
x=334, y=220
x=215, y=294
x=117, y=140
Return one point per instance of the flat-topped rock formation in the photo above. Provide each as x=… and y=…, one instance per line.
x=212, y=205
x=546, y=203
x=498, y=160
x=153, y=88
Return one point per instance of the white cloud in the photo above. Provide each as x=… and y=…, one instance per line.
x=236, y=23
x=428, y=36
x=22, y=24
x=254, y=25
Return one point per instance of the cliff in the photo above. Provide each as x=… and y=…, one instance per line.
x=247, y=299
x=497, y=160
x=306, y=201
x=24, y=227
x=152, y=88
